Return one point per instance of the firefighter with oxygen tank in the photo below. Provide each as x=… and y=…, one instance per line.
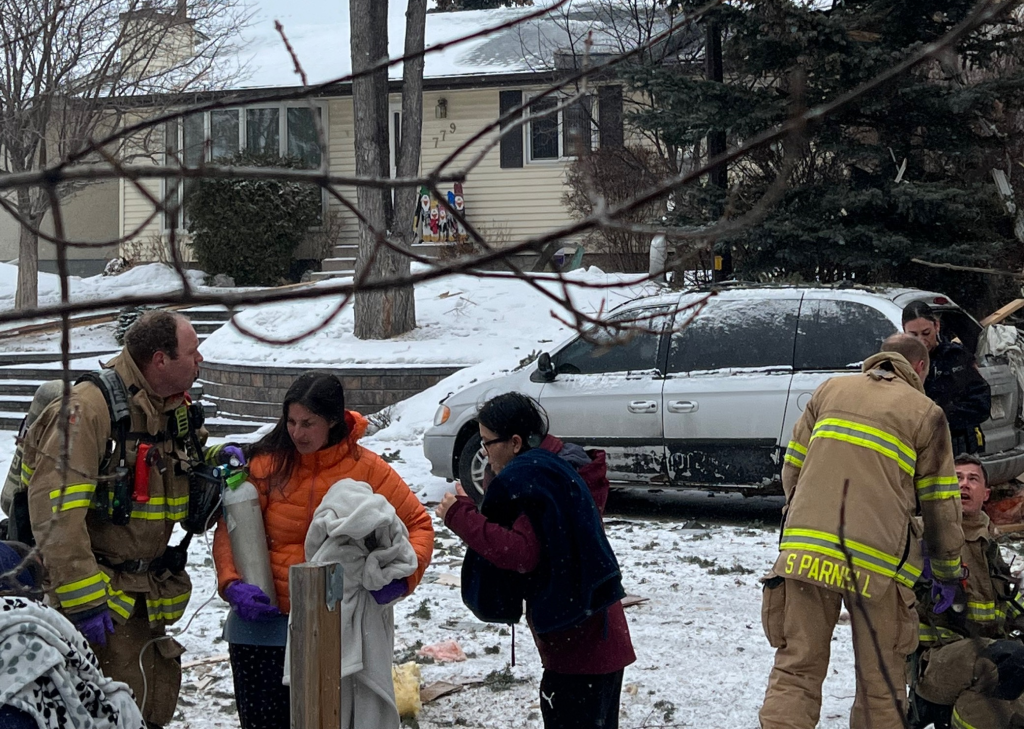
x=109, y=473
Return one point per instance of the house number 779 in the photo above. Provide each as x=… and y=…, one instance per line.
x=444, y=133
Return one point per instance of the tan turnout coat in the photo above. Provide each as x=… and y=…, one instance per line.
x=66, y=523
x=869, y=453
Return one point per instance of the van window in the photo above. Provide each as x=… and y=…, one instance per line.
x=732, y=334
x=839, y=335
x=632, y=346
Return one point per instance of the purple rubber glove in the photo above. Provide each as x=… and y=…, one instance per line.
x=231, y=455
x=390, y=592
x=250, y=602
x=947, y=595
x=95, y=627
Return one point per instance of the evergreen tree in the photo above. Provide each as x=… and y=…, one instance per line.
x=903, y=172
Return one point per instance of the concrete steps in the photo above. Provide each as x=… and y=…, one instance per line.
x=342, y=261
x=21, y=373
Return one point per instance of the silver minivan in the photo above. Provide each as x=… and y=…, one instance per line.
x=709, y=401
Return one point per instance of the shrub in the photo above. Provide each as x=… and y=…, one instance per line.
x=616, y=174
x=249, y=229
x=125, y=318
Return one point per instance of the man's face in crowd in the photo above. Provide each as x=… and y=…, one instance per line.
x=973, y=489
x=178, y=374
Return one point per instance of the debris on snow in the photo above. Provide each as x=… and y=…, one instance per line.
x=443, y=652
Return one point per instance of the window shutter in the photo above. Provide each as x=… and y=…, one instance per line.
x=609, y=114
x=512, y=141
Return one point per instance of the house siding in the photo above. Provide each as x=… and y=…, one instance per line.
x=137, y=212
x=90, y=216
x=505, y=205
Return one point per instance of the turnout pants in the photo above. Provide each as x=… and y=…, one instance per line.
x=157, y=696
x=957, y=676
x=799, y=620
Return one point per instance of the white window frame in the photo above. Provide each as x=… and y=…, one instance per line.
x=562, y=156
x=208, y=148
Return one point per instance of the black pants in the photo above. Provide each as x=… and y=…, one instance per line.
x=263, y=701
x=580, y=701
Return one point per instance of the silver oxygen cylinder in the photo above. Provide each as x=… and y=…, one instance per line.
x=244, y=520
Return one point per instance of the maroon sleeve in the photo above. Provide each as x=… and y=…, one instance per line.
x=595, y=475
x=516, y=549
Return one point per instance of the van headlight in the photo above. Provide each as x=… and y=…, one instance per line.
x=442, y=415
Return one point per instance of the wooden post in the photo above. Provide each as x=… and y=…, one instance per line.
x=315, y=652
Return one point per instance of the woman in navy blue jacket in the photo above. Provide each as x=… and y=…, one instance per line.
x=538, y=537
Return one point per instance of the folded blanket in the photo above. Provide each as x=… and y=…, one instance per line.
x=360, y=530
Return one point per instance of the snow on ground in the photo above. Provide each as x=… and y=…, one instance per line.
x=702, y=657
x=459, y=320
x=95, y=338
x=152, y=278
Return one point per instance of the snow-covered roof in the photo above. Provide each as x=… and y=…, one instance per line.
x=318, y=31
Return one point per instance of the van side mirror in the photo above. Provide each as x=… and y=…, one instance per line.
x=545, y=368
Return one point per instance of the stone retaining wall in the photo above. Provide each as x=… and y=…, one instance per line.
x=257, y=392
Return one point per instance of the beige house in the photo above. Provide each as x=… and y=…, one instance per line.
x=90, y=215
x=513, y=193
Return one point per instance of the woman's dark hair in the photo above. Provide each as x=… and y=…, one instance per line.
x=322, y=394
x=515, y=414
x=919, y=310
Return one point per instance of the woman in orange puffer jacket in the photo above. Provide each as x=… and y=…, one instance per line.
x=312, y=447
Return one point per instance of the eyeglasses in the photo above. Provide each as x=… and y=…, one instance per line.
x=488, y=443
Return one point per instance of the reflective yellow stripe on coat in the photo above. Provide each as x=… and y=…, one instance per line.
x=160, y=508
x=795, y=454
x=929, y=634
x=74, y=496
x=167, y=609
x=120, y=602
x=959, y=723
x=869, y=558
x=83, y=591
x=866, y=436
x=936, y=488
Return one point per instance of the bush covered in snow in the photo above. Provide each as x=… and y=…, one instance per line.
x=249, y=229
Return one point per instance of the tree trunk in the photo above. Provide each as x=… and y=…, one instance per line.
x=378, y=314
x=408, y=155
x=27, y=295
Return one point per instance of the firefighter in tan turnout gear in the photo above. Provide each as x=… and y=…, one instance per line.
x=103, y=521
x=868, y=452
x=970, y=671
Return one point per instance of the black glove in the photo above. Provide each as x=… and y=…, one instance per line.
x=1008, y=656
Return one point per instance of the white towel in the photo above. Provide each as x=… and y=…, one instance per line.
x=349, y=513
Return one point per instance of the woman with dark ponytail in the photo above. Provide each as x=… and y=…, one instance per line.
x=313, y=446
x=538, y=537
x=953, y=380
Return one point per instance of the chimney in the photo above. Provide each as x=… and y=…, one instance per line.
x=156, y=40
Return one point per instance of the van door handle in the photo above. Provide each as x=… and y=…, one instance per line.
x=682, y=406
x=643, y=406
